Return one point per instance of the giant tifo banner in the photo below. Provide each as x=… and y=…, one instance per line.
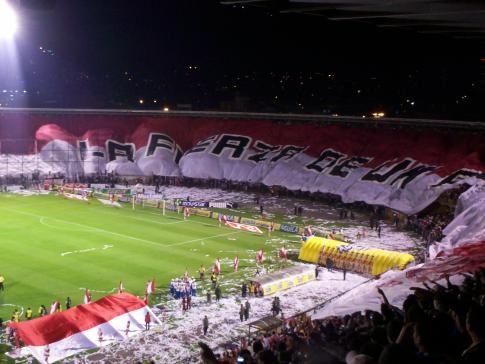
x=397, y=285
x=405, y=169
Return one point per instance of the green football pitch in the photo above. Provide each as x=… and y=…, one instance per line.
x=52, y=248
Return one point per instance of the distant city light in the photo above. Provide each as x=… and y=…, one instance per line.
x=155, y=101
x=8, y=20
x=378, y=114
x=141, y=101
x=166, y=109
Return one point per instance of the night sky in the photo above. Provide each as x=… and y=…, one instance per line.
x=112, y=54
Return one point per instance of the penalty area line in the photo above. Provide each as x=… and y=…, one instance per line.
x=159, y=245
x=92, y=228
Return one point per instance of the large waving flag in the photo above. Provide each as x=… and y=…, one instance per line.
x=150, y=286
x=76, y=330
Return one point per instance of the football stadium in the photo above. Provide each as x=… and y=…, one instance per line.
x=156, y=234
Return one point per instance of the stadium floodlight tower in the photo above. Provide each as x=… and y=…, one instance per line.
x=8, y=20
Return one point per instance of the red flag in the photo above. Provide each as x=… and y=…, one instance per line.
x=87, y=296
x=150, y=286
x=260, y=256
x=282, y=253
x=236, y=263
x=217, y=266
x=120, y=288
x=54, y=307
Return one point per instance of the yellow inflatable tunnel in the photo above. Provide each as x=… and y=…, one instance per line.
x=357, y=259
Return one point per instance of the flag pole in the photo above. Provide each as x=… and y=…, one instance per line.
x=133, y=202
x=163, y=209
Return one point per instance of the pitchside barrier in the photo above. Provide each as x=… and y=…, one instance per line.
x=271, y=283
x=357, y=259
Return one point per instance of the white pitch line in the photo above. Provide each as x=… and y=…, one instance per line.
x=182, y=220
x=147, y=220
x=159, y=245
x=90, y=227
x=209, y=237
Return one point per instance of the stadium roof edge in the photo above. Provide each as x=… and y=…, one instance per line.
x=324, y=119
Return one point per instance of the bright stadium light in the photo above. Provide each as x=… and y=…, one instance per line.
x=8, y=20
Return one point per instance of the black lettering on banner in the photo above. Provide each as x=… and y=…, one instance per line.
x=343, y=169
x=158, y=140
x=116, y=149
x=404, y=178
x=327, y=159
x=238, y=144
x=83, y=146
x=265, y=150
x=458, y=176
x=382, y=173
x=288, y=152
x=202, y=145
x=178, y=154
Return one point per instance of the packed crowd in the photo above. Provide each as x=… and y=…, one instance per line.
x=438, y=324
x=283, y=345
x=429, y=227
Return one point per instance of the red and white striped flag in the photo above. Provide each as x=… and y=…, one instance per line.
x=145, y=299
x=120, y=287
x=54, y=307
x=87, y=296
x=236, y=263
x=76, y=330
x=260, y=256
x=217, y=266
x=150, y=286
x=282, y=253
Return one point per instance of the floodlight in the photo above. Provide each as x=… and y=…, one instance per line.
x=8, y=20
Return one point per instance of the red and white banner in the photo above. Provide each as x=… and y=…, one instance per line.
x=250, y=228
x=405, y=169
x=84, y=327
x=73, y=196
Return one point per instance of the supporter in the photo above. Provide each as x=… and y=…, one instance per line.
x=206, y=354
x=475, y=327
